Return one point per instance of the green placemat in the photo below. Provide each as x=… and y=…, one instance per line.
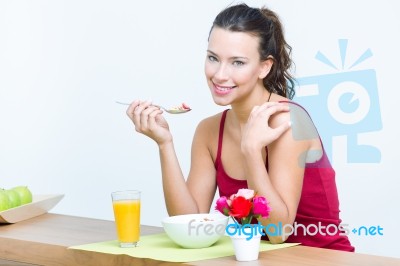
x=161, y=247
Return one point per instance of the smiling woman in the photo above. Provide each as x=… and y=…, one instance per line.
x=226, y=72
x=264, y=142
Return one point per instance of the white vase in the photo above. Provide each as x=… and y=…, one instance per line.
x=246, y=249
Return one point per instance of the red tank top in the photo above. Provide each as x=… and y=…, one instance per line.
x=318, y=206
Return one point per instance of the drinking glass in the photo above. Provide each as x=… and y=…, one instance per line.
x=126, y=205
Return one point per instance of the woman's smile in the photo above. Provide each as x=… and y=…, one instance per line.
x=223, y=90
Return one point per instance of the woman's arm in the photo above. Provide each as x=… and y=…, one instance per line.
x=197, y=194
x=282, y=183
x=202, y=176
x=180, y=197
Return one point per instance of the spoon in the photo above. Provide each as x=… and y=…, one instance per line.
x=176, y=110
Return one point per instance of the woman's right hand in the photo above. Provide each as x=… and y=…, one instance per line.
x=149, y=121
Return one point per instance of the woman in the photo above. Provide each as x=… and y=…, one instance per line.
x=264, y=142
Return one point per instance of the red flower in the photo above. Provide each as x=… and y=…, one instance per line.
x=240, y=207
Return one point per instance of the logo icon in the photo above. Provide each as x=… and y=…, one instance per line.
x=344, y=103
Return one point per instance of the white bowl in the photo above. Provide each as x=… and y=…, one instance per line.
x=40, y=204
x=195, y=230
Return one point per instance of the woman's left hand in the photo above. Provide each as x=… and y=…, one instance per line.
x=258, y=132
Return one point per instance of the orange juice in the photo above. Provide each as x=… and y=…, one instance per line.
x=127, y=220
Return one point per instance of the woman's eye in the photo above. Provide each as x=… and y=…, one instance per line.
x=212, y=58
x=238, y=63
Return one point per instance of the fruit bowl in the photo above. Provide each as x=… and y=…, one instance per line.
x=40, y=204
x=195, y=230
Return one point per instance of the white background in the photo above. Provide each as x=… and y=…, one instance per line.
x=63, y=64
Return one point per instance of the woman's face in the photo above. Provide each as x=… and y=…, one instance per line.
x=233, y=68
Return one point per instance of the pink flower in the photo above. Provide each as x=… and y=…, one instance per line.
x=245, y=193
x=222, y=205
x=261, y=207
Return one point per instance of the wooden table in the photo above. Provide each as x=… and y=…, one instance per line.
x=43, y=240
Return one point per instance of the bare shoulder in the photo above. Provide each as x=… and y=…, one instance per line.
x=302, y=127
x=207, y=133
x=209, y=125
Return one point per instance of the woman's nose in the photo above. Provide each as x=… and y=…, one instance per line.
x=222, y=73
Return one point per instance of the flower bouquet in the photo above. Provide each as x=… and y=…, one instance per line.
x=242, y=207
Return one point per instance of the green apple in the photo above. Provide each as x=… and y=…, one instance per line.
x=14, y=198
x=4, y=201
x=24, y=193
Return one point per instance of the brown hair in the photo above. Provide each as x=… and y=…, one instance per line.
x=266, y=25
